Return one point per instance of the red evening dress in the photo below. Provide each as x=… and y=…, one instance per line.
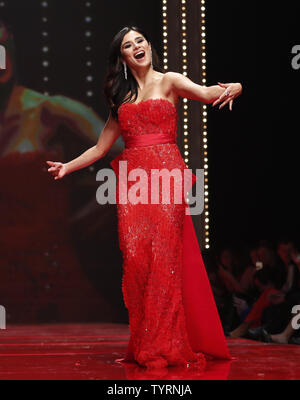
x=173, y=318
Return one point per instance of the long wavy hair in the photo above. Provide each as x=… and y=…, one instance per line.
x=117, y=89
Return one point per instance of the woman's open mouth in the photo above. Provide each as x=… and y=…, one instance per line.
x=140, y=55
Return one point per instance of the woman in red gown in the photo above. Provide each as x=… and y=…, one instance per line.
x=173, y=318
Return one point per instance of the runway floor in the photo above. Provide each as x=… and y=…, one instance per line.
x=89, y=351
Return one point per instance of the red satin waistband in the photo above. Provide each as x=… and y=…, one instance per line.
x=148, y=140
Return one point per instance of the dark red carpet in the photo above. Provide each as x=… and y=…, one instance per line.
x=89, y=351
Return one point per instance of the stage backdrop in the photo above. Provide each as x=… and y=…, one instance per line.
x=59, y=253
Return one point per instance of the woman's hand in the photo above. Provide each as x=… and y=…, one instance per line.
x=57, y=169
x=232, y=91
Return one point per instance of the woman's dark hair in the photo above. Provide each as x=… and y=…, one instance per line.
x=116, y=88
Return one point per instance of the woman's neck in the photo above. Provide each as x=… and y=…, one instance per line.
x=143, y=77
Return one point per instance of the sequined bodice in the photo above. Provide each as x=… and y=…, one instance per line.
x=152, y=116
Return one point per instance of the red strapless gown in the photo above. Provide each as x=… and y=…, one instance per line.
x=173, y=318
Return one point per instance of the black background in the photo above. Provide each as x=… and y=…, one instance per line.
x=253, y=150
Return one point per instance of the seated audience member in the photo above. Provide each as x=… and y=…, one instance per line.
x=222, y=298
x=277, y=318
x=227, y=271
x=290, y=261
x=265, y=283
x=247, y=278
x=281, y=283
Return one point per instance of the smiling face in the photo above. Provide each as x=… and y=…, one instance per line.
x=135, y=50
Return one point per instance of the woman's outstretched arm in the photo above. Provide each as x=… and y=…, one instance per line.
x=107, y=137
x=184, y=87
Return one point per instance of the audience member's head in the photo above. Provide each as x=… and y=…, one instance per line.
x=285, y=247
x=266, y=253
x=226, y=259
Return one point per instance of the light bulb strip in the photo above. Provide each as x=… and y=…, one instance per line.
x=165, y=34
x=183, y=15
x=88, y=35
x=45, y=46
x=204, y=121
